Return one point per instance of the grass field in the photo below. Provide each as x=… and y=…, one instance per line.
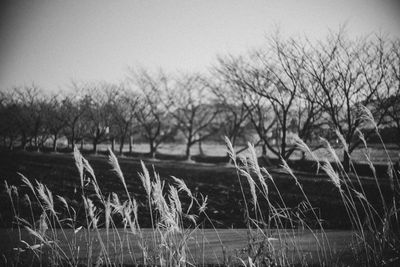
x=219, y=182
x=204, y=246
x=291, y=217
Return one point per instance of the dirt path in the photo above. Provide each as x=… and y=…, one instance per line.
x=205, y=246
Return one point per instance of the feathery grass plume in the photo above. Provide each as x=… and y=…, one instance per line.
x=331, y=150
x=367, y=115
x=203, y=205
x=158, y=198
x=36, y=234
x=183, y=187
x=26, y=181
x=116, y=204
x=253, y=160
x=305, y=148
x=370, y=164
x=112, y=159
x=79, y=164
x=253, y=163
x=342, y=140
x=327, y=167
x=63, y=201
x=252, y=185
x=88, y=168
x=174, y=199
x=243, y=160
x=29, y=204
x=107, y=212
x=129, y=209
x=231, y=150
x=10, y=189
x=42, y=224
x=145, y=178
x=264, y=170
x=367, y=154
x=192, y=217
x=46, y=196
x=91, y=208
x=362, y=137
x=134, y=208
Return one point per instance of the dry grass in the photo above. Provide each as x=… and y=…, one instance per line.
x=57, y=232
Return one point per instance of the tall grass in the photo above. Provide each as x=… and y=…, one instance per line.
x=273, y=227
x=56, y=237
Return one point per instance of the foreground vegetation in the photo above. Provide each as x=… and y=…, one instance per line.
x=176, y=213
x=288, y=97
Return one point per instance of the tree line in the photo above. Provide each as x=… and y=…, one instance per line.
x=289, y=87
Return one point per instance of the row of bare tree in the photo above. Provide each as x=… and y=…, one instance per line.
x=286, y=88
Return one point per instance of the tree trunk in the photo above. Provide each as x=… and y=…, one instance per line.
x=264, y=150
x=130, y=144
x=112, y=144
x=303, y=155
x=283, y=140
x=95, y=146
x=152, y=149
x=187, y=153
x=201, y=148
x=55, y=143
x=121, y=145
x=72, y=139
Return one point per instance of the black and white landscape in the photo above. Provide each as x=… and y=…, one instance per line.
x=204, y=133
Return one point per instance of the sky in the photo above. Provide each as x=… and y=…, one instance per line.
x=52, y=42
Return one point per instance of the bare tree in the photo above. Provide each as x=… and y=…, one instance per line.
x=55, y=119
x=151, y=113
x=97, y=101
x=350, y=75
x=188, y=103
x=9, y=127
x=273, y=79
x=75, y=129
x=234, y=72
x=123, y=108
x=30, y=116
x=392, y=100
x=233, y=116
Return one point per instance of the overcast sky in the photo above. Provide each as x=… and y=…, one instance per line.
x=53, y=42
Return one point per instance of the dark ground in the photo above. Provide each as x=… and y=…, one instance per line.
x=218, y=181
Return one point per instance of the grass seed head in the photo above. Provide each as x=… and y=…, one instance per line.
x=174, y=199
x=231, y=150
x=115, y=165
x=145, y=178
x=305, y=148
x=327, y=167
x=331, y=151
x=342, y=140
x=79, y=164
x=252, y=185
x=182, y=186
